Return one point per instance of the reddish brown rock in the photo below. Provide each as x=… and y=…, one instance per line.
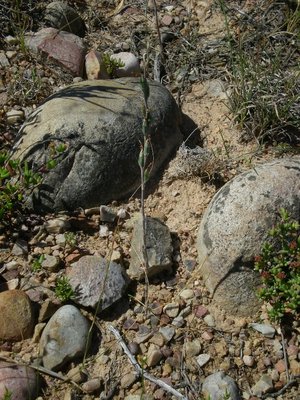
x=65, y=48
x=16, y=317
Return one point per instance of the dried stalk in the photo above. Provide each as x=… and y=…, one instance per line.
x=140, y=372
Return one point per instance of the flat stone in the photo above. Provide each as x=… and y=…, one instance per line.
x=20, y=248
x=92, y=279
x=57, y=225
x=209, y=320
x=157, y=339
x=64, y=337
x=107, y=214
x=168, y=332
x=63, y=47
x=264, y=385
x=187, y=294
x=158, y=245
x=203, y=359
x=171, y=309
x=3, y=60
x=192, y=349
x=266, y=330
x=16, y=316
x=178, y=321
x=127, y=380
x=14, y=116
x=201, y=311
x=51, y=263
x=92, y=386
x=154, y=355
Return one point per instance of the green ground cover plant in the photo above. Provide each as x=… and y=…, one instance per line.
x=279, y=267
x=18, y=179
x=63, y=289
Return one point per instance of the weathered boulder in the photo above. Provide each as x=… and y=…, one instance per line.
x=92, y=279
x=64, y=338
x=100, y=123
x=235, y=225
x=16, y=316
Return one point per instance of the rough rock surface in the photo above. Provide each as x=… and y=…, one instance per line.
x=100, y=122
x=20, y=381
x=217, y=385
x=91, y=281
x=63, y=17
x=235, y=225
x=65, y=48
x=16, y=316
x=64, y=337
x=158, y=245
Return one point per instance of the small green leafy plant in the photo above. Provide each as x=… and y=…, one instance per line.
x=63, y=289
x=7, y=395
x=111, y=65
x=36, y=264
x=18, y=180
x=279, y=267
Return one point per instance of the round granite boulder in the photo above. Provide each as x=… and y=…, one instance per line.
x=99, y=123
x=235, y=225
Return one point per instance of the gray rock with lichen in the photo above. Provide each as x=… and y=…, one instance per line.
x=95, y=280
x=235, y=225
x=158, y=246
x=100, y=124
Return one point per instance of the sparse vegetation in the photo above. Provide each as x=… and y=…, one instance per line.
x=111, y=65
x=263, y=47
x=63, y=289
x=36, y=264
x=279, y=267
x=18, y=180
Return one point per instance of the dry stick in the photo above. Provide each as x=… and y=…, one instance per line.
x=158, y=32
x=139, y=369
x=143, y=169
x=288, y=378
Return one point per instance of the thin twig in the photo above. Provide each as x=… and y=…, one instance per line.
x=282, y=390
x=285, y=357
x=140, y=371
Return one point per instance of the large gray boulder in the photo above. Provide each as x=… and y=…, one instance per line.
x=235, y=225
x=100, y=122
